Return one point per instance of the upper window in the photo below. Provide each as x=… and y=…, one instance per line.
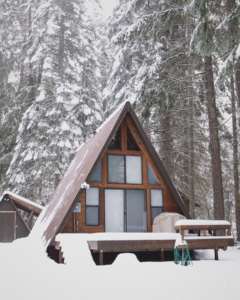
x=125, y=169
x=131, y=143
x=151, y=178
x=116, y=141
x=92, y=207
x=97, y=176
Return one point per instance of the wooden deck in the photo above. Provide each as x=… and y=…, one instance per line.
x=194, y=243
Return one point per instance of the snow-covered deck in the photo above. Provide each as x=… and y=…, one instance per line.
x=78, y=246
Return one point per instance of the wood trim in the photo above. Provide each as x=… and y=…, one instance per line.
x=125, y=185
x=124, y=135
x=28, y=205
x=104, y=172
x=124, y=152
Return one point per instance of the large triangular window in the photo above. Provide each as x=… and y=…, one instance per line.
x=131, y=143
x=116, y=141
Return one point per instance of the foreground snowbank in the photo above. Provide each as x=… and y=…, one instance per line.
x=27, y=273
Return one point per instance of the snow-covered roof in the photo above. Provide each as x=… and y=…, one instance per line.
x=23, y=203
x=55, y=215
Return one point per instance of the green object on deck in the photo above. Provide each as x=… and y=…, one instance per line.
x=185, y=258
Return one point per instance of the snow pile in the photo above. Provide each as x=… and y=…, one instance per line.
x=84, y=185
x=27, y=273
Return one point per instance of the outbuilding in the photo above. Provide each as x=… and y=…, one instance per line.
x=12, y=224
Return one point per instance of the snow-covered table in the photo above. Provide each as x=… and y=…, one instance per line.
x=203, y=225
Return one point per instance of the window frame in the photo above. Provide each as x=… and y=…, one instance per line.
x=155, y=206
x=125, y=169
x=98, y=206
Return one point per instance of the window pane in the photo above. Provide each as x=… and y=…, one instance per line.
x=156, y=197
x=114, y=210
x=92, y=215
x=134, y=169
x=155, y=211
x=116, y=168
x=116, y=141
x=136, y=211
x=97, y=176
x=92, y=196
x=150, y=175
x=131, y=143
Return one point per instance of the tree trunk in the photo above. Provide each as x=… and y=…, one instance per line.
x=165, y=140
x=235, y=161
x=214, y=141
x=191, y=129
x=232, y=27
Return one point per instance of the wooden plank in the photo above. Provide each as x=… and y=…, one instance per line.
x=60, y=256
x=149, y=211
x=144, y=168
x=121, y=185
x=124, y=135
x=101, y=207
x=28, y=205
x=104, y=171
x=30, y=216
x=57, y=245
x=131, y=245
x=93, y=245
x=157, y=245
x=162, y=255
x=210, y=243
x=124, y=152
x=216, y=253
x=100, y=257
x=202, y=227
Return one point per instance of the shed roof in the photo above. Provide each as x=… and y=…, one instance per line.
x=55, y=215
x=23, y=203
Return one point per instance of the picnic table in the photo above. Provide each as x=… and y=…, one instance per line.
x=203, y=226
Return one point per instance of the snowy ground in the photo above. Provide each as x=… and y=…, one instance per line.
x=27, y=273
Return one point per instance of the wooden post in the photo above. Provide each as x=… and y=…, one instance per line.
x=162, y=254
x=198, y=232
x=216, y=253
x=204, y=232
x=101, y=258
x=60, y=256
x=229, y=231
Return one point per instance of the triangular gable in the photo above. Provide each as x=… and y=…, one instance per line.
x=60, y=206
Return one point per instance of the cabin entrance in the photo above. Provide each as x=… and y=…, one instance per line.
x=125, y=210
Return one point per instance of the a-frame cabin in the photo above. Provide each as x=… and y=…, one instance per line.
x=129, y=185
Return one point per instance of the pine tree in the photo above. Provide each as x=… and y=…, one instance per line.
x=65, y=110
x=203, y=43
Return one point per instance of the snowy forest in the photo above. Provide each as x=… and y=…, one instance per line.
x=64, y=69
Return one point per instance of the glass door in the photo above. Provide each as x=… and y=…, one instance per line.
x=136, y=211
x=125, y=210
x=114, y=210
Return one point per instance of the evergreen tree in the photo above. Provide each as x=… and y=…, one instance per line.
x=65, y=110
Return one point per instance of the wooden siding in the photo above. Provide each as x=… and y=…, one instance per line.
x=168, y=203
